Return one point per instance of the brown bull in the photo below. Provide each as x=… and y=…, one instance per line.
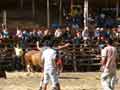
x=32, y=58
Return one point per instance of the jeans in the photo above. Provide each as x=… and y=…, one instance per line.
x=108, y=80
x=17, y=63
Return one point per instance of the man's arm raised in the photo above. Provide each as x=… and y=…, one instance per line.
x=63, y=46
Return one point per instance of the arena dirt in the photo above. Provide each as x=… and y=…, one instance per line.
x=68, y=81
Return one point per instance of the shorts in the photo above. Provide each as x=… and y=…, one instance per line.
x=59, y=62
x=52, y=75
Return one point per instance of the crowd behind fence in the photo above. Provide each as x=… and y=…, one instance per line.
x=84, y=44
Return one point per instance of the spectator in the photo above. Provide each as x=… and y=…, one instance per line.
x=67, y=35
x=1, y=44
x=25, y=36
x=118, y=32
x=100, y=20
x=19, y=33
x=58, y=33
x=77, y=39
x=40, y=34
x=34, y=35
x=68, y=21
x=18, y=53
x=109, y=22
x=102, y=34
x=75, y=24
x=85, y=36
x=97, y=34
x=5, y=33
x=1, y=36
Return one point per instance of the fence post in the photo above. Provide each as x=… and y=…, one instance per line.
x=60, y=12
x=33, y=8
x=48, y=13
x=4, y=19
x=117, y=8
x=85, y=13
x=21, y=4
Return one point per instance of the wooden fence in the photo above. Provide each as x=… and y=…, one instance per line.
x=74, y=58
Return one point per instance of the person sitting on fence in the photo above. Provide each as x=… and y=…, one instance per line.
x=5, y=33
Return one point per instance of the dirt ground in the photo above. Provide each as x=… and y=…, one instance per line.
x=68, y=81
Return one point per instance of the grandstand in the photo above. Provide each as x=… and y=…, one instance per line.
x=34, y=11
x=31, y=13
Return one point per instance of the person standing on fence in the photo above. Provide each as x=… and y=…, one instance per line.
x=18, y=53
x=108, y=66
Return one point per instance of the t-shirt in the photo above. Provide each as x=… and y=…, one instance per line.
x=85, y=35
x=18, y=51
x=110, y=53
x=49, y=57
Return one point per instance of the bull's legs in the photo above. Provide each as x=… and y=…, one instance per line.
x=41, y=84
x=29, y=68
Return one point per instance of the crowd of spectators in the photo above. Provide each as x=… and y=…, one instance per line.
x=59, y=35
x=77, y=37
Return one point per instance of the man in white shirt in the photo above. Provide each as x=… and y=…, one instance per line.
x=49, y=62
x=108, y=68
x=19, y=53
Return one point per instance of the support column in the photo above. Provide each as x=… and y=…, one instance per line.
x=21, y=4
x=85, y=13
x=106, y=4
x=48, y=13
x=5, y=18
x=33, y=8
x=117, y=8
x=71, y=4
x=60, y=13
